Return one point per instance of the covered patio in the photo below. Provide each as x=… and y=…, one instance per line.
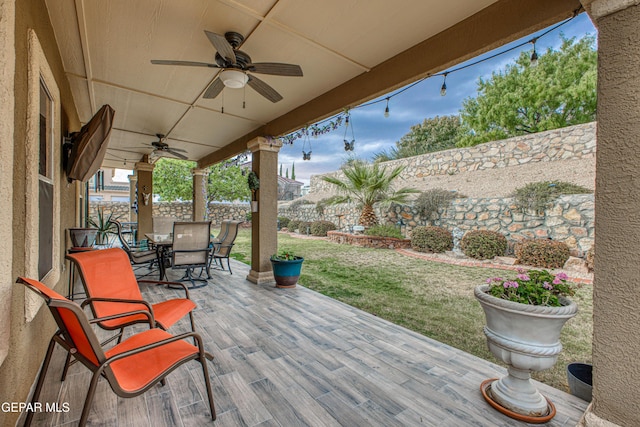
x=297, y=358
x=63, y=59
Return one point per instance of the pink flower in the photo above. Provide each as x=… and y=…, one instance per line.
x=489, y=281
x=547, y=286
x=523, y=276
x=562, y=276
x=510, y=284
x=557, y=281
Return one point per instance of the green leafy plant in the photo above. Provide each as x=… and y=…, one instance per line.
x=534, y=287
x=285, y=255
x=431, y=239
x=483, y=244
x=103, y=223
x=543, y=253
x=303, y=225
x=537, y=196
x=320, y=228
x=293, y=225
x=384, y=230
x=431, y=201
x=284, y=221
x=254, y=184
x=367, y=185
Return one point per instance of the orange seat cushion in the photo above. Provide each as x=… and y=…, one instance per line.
x=135, y=372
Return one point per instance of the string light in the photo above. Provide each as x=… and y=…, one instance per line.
x=336, y=120
x=443, y=89
x=534, y=55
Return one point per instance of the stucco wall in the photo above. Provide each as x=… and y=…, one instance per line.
x=616, y=340
x=28, y=340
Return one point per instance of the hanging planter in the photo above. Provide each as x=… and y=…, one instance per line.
x=254, y=185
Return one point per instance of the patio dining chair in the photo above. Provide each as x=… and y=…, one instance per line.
x=222, y=250
x=138, y=256
x=190, y=249
x=112, y=288
x=131, y=367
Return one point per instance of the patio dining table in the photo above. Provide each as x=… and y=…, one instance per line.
x=162, y=243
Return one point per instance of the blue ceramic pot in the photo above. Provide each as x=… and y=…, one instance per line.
x=286, y=273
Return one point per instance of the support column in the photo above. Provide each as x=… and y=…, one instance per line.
x=144, y=171
x=264, y=233
x=616, y=341
x=199, y=205
x=133, y=184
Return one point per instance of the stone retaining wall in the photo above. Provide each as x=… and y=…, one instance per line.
x=368, y=241
x=574, y=142
x=181, y=211
x=569, y=219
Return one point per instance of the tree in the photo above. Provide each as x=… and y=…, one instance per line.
x=433, y=134
x=367, y=185
x=172, y=180
x=280, y=169
x=293, y=171
x=560, y=91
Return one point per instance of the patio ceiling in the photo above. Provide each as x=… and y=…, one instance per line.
x=349, y=50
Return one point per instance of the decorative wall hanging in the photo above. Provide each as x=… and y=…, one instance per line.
x=348, y=145
x=306, y=145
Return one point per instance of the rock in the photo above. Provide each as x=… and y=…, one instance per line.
x=506, y=260
x=576, y=264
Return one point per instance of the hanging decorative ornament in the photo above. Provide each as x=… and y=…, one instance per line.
x=348, y=145
x=306, y=145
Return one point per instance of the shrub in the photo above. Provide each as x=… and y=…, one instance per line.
x=302, y=226
x=386, y=230
x=536, y=196
x=483, y=244
x=299, y=202
x=431, y=239
x=431, y=201
x=293, y=225
x=542, y=253
x=590, y=258
x=320, y=228
x=284, y=221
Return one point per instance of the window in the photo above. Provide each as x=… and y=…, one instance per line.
x=42, y=170
x=45, y=184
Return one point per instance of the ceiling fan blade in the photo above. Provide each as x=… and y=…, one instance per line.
x=264, y=89
x=185, y=63
x=214, y=89
x=223, y=47
x=176, y=154
x=276, y=69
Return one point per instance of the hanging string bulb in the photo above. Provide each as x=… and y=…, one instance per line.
x=386, y=110
x=534, y=55
x=443, y=88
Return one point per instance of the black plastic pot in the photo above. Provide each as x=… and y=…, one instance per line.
x=580, y=378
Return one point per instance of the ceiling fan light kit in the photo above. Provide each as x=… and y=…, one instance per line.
x=234, y=79
x=236, y=67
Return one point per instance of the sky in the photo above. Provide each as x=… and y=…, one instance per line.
x=374, y=133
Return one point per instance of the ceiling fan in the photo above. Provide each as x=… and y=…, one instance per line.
x=161, y=148
x=236, y=67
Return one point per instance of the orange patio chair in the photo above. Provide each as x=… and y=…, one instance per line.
x=112, y=288
x=131, y=367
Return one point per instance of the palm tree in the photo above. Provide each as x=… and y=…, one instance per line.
x=366, y=185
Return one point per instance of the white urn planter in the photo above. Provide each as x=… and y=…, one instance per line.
x=526, y=338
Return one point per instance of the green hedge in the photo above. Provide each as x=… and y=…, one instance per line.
x=431, y=239
x=483, y=244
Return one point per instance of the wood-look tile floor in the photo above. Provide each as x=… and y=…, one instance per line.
x=297, y=358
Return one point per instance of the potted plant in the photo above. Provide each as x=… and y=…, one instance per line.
x=524, y=318
x=254, y=185
x=102, y=223
x=286, y=268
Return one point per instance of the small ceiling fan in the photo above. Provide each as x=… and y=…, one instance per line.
x=236, y=67
x=161, y=148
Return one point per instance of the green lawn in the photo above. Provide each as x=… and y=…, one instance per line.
x=433, y=299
